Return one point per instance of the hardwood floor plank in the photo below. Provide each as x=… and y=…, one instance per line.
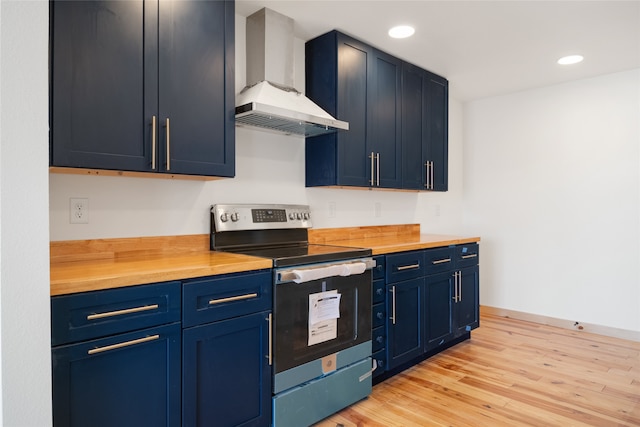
x=510, y=373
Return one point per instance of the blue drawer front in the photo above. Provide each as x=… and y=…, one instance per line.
x=378, y=338
x=90, y=315
x=380, y=357
x=439, y=259
x=467, y=255
x=379, y=269
x=404, y=266
x=378, y=315
x=223, y=297
x=379, y=290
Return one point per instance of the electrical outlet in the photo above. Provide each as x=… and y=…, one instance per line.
x=78, y=210
x=332, y=209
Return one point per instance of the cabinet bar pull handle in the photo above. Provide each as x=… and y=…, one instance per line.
x=168, y=146
x=372, y=157
x=378, y=168
x=408, y=267
x=393, y=305
x=469, y=256
x=153, y=142
x=431, y=162
x=120, y=312
x=426, y=175
x=459, y=286
x=270, y=339
x=236, y=298
x=123, y=344
x=441, y=261
x=455, y=286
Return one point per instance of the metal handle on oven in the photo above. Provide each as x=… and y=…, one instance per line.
x=269, y=356
x=441, y=261
x=229, y=299
x=393, y=304
x=289, y=275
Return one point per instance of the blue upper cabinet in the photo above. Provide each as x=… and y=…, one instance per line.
x=143, y=86
x=360, y=85
x=425, y=101
x=393, y=116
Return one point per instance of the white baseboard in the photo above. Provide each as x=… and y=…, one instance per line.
x=562, y=323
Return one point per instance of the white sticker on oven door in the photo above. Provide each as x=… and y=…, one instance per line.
x=324, y=311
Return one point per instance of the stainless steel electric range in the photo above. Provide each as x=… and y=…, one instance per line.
x=321, y=329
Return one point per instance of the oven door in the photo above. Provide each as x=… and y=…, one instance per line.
x=320, y=316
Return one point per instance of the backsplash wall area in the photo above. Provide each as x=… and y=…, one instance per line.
x=269, y=169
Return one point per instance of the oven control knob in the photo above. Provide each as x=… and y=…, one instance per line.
x=306, y=215
x=299, y=215
x=292, y=215
x=235, y=217
x=224, y=217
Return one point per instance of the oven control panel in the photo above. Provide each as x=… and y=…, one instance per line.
x=236, y=217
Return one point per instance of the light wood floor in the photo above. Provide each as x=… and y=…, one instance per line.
x=511, y=373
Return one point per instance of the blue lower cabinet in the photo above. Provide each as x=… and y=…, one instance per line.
x=405, y=321
x=131, y=379
x=226, y=373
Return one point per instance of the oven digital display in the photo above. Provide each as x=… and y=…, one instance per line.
x=269, y=215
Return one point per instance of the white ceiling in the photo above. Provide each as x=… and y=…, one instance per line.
x=484, y=48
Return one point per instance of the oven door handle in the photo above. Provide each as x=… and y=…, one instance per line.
x=315, y=273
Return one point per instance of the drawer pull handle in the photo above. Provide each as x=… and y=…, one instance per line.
x=123, y=344
x=121, y=312
x=153, y=142
x=408, y=267
x=441, y=261
x=236, y=298
x=469, y=256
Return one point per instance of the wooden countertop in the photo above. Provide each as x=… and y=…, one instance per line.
x=89, y=265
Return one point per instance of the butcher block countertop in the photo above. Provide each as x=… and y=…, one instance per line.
x=89, y=265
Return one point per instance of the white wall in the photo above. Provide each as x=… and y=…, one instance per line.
x=552, y=184
x=24, y=249
x=269, y=168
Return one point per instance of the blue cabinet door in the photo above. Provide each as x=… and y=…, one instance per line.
x=405, y=320
x=102, y=57
x=439, y=304
x=437, y=133
x=143, y=86
x=425, y=103
x=226, y=373
x=384, y=120
x=131, y=379
x=196, y=98
x=467, y=316
x=337, y=78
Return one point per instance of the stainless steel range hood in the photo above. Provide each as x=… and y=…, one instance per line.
x=269, y=100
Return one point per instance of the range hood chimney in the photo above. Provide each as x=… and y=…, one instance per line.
x=269, y=100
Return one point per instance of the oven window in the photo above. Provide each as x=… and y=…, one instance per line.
x=291, y=319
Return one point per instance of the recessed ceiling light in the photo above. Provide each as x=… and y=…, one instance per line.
x=401, y=32
x=571, y=59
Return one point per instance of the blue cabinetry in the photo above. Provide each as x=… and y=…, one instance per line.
x=397, y=116
x=226, y=361
x=116, y=357
x=361, y=85
x=432, y=302
x=143, y=86
x=425, y=104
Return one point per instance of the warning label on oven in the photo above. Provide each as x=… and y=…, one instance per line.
x=324, y=312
